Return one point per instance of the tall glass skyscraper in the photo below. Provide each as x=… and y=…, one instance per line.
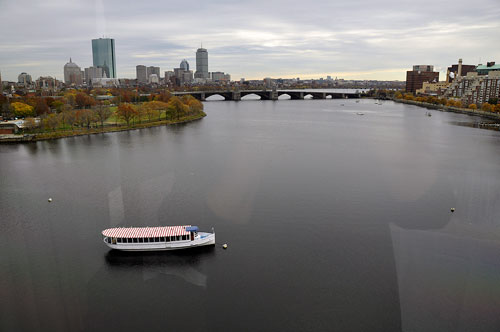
x=201, y=64
x=103, y=54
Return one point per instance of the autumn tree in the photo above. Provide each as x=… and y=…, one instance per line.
x=497, y=108
x=22, y=109
x=473, y=106
x=176, y=107
x=29, y=123
x=41, y=106
x=126, y=112
x=85, y=117
x=487, y=107
x=102, y=113
x=51, y=121
x=193, y=104
x=68, y=116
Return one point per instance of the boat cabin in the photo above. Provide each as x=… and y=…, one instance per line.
x=150, y=234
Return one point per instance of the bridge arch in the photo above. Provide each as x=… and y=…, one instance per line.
x=216, y=96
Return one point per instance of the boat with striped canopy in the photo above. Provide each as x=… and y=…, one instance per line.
x=156, y=238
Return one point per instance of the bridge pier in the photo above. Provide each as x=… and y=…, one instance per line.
x=236, y=96
x=319, y=95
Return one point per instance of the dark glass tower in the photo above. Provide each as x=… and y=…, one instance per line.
x=103, y=54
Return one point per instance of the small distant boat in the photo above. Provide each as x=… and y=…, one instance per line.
x=357, y=101
x=360, y=113
x=156, y=238
x=428, y=114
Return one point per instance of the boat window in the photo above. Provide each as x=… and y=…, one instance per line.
x=135, y=240
x=119, y=240
x=168, y=238
x=129, y=240
x=162, y=239
x=184, y=237
x=177, y=238
x=141, y=240
x=157, y=239
x=151, y=239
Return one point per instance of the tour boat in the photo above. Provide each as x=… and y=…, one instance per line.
x=156, y=238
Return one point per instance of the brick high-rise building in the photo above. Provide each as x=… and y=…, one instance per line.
x=420, y=74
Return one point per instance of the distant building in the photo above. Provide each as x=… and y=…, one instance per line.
x=72, y=74
x=153, y=70
x=169, y=75
x=24, y=79
x=103, y=55
x=433, y=89
x=91, y=73
x=153, y=79
x=485, y=70
x=202, y=64
x=419, y=75
x=105, y=82
x=218, y=76
x=458, y=70
x=46, y=83
x=184, y=65
x=142, y=74
x=183, y=76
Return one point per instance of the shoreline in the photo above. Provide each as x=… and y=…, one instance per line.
x=27, y=138
x=468, y=111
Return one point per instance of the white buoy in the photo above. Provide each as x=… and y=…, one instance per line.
x=50, y=199
x=452, y=209
x=224, y=246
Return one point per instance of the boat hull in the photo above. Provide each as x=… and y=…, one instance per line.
x=205, y=239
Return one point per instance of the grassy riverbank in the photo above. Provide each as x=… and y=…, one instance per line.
x=108, y=128
x=476, y=112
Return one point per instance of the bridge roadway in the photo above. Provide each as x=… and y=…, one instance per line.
x=268, y=94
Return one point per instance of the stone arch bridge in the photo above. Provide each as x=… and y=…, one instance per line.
x=269, y=94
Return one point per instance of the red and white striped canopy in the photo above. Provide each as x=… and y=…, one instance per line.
x=137, y=232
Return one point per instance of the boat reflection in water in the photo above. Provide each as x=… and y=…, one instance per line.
x=184, y=264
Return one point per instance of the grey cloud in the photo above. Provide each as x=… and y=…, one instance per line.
x=251, y=39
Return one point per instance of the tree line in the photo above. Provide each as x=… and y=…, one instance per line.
x=77, y=109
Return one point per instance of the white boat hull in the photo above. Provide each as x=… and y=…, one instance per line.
x=203, y=239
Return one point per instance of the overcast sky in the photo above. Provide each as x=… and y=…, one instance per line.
x=354, y=39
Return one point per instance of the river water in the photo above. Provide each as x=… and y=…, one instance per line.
x=334, y=222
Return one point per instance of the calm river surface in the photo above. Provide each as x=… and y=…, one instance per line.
x=334, y=221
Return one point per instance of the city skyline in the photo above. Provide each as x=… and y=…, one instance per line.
x=352, y=40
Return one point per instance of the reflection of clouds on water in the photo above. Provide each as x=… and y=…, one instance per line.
x=187, y=265
x=447, y=281
x=187, y=273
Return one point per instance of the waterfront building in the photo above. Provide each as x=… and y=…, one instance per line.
x=91, y=73
x=24, y=79
x=420, y=74
x=72, y=74
x=202, y=64
x=485, y=70
x=458, y=70
x=474, y=88
x=141, y=74
x=103, y=55
x=433, y=89
x=184, y=65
